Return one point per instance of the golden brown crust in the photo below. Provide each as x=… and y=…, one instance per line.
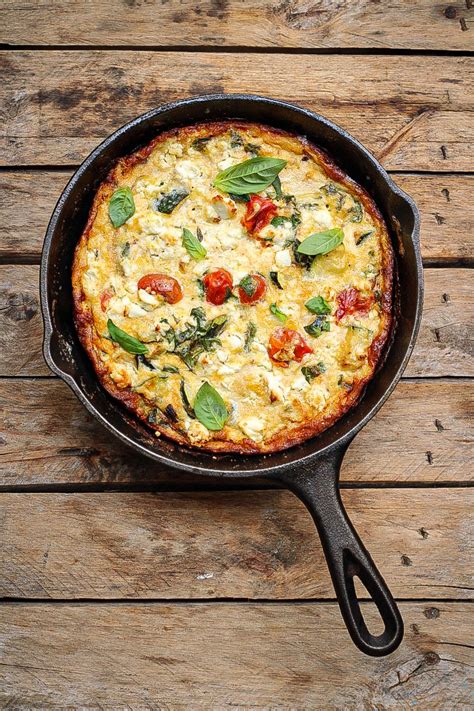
x=131, y=400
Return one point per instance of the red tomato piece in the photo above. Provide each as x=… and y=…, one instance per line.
x=351, y=301
x=218, y=286
x=252, y=288
x=259, y=213
x=105, y=298
x=286, y=345
x=168, y=287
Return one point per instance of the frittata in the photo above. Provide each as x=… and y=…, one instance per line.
x=233, y=287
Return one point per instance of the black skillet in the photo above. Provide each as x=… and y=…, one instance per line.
x=310, y=470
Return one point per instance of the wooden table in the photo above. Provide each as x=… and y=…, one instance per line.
x=128, y=586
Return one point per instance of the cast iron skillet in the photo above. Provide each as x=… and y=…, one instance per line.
x=310, y=470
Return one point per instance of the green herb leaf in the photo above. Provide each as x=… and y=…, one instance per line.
x=235, y=139
x=249, y=335
x=318, y=305
x=240, y=198
x=167, y=202
x=311, y=372
x=210, y=408
x=200, y=143
x=252, y=148
x=357, y=211
x=196, y=338
x=125, y=251
x=251, y=176
x=277, y=187
x=170, y=369
x=249, y=285
x=321, y=242
x=121, y=206
x=279, y=220
x=278, y=313
x=363, y=237
x=275, y=279
x=141, y=360
x=193, y=245
x=319, y=325
x=128, y=343
x=186, y=404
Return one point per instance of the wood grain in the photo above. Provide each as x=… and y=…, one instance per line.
x=444, y=201
x=424, y=433
x=259, y=544
x=57, y=106
x=445, y=344
x=256, y=656
x=421, y=24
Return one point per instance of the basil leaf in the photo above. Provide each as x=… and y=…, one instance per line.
x=240, y=198
x=249, y=285
x=321, y=242
x=167, y=202
x=277, y=187
x=279, y=220
x=251, y=176
x=311, y=372
x=210, y=408
x=318, y=305
x=128, y=343
x=278, y=313
x=121, y=206
x=275, y=280
x=319, y=325
x=193, y=245
x=249, y=335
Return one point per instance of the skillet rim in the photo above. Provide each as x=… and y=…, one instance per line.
x=261, y=468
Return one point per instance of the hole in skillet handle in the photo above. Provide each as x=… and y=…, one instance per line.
x=317, y=487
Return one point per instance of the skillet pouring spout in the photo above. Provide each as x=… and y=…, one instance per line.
x=317, y=487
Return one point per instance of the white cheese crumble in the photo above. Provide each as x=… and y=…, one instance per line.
x=252, y=427
x=283, y=258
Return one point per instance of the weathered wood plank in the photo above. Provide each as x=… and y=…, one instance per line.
x=259, y=544
x=421, y=25
x=444, y=201
x=423, y=433
x=444, y=347
x=414, y=113
x=228, y=655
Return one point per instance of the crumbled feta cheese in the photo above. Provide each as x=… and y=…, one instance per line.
x=323, y=216
x=148, y=298
x=283, y=258
x=252, y=427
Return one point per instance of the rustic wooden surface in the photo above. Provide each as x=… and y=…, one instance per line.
x=127, y=585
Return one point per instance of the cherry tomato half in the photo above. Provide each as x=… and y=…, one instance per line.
x=252, y=288
x=168, y=287
x=259, y=213
x=218, y=286
x=351, y=301
x=286, y=345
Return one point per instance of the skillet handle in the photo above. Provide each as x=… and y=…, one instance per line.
x=346, y=556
